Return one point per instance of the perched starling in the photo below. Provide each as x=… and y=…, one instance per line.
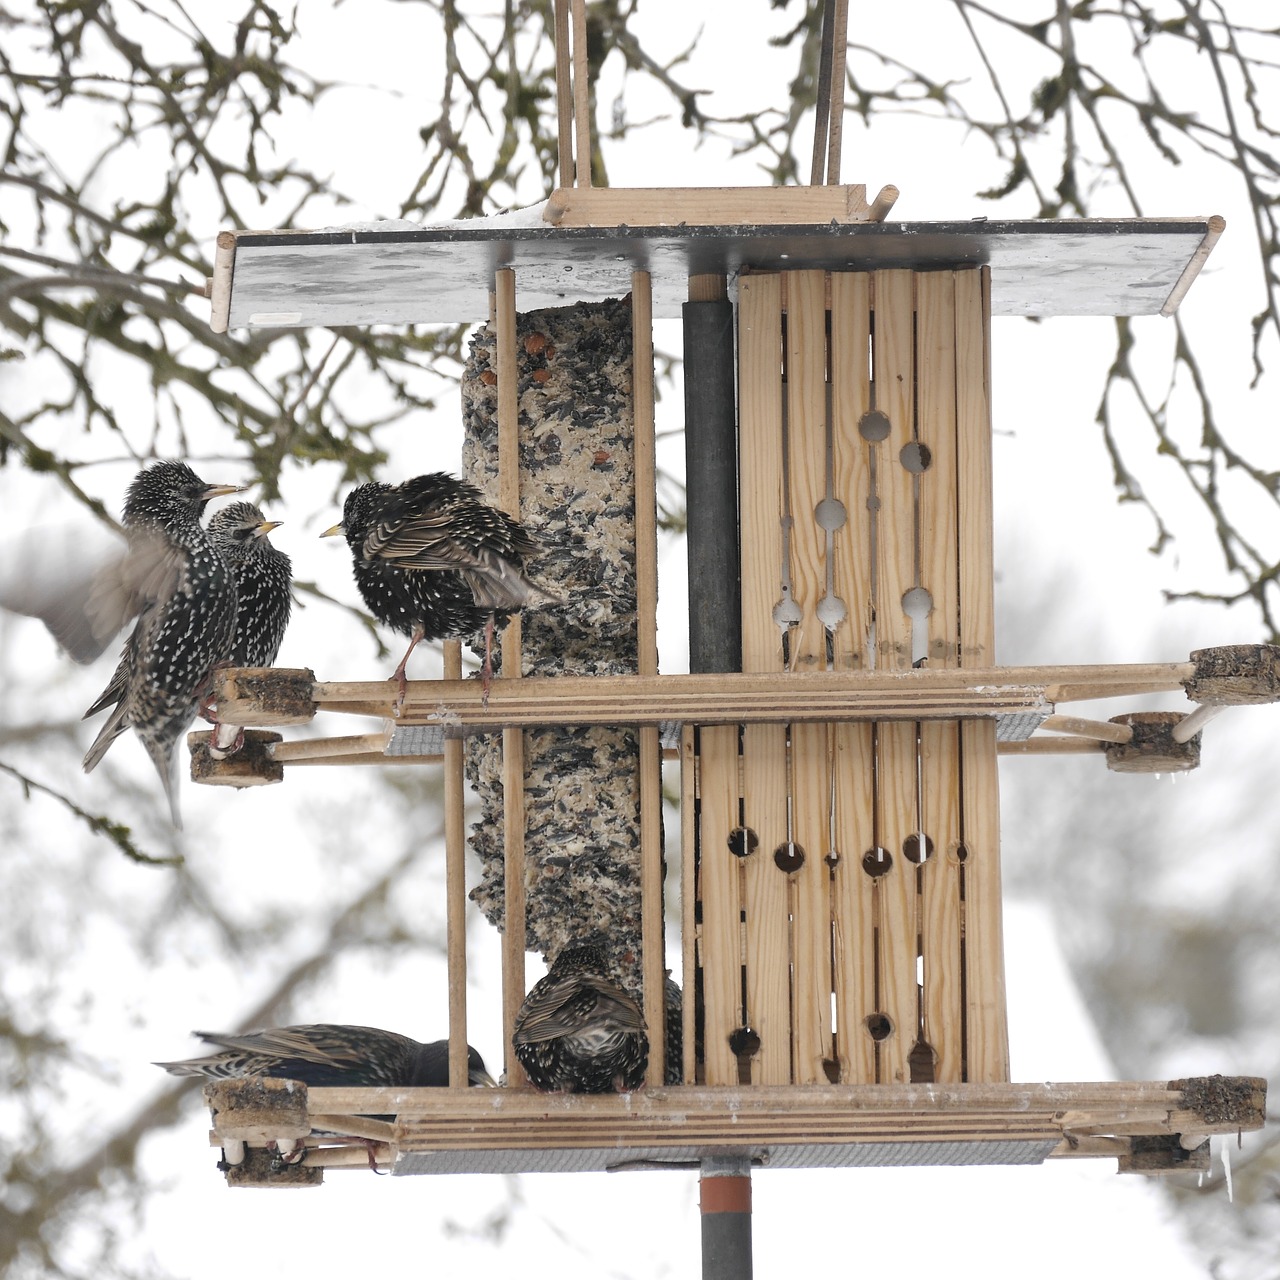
x=578, y=1031
x=434, y=560
x=263, y=576
x=185, y=603
x=324, y=1054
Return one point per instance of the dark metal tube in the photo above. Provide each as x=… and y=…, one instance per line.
x=711, y=474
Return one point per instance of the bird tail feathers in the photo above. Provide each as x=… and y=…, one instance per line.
x=498, y=584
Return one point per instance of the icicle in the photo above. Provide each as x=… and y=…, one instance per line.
x=1226, y=1169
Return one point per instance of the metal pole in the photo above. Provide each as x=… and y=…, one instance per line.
x=711, y=477
x=725, y=1195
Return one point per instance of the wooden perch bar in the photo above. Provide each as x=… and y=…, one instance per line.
x=1064, y=1120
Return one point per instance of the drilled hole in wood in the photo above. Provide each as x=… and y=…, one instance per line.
x=830, y=514
x=743, y=842
x=877, y=861
x=911, y=849
x=873, y=425
x=879, y=1027
x=916, y=457
x=745, y=1042
x=962, y=853
x=833, y=858
x=789, y=856
x=831, y=1069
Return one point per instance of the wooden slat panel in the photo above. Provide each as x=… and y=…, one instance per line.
x=940, y=742
x=719, y=894
x=896, y=548
x=854, y=765
x=988, y=1036
x=764, y=746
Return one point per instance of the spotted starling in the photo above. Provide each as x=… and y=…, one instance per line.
x=263, y=576
x=578, y=1031
x=324, y=1054
x=433, y=560
x=185, y=603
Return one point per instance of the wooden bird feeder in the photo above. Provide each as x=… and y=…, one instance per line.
x=843, y=970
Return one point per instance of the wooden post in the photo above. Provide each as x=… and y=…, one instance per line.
x=513, y=940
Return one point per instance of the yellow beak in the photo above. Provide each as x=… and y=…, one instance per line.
x=217, y=490
x=265, y=528
x=333, y=533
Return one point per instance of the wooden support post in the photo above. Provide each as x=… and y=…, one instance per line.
x=581, y=95
x=513, y=940
x=652, y=914
x=986, y=1024
x=455, y=853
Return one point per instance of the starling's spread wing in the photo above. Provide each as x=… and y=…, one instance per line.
x=148, y=572
x=86, y=584
x=565, y=1006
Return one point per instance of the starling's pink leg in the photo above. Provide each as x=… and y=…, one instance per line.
x=399, y=676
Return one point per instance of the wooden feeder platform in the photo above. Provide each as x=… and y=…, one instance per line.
x=1151, y=1127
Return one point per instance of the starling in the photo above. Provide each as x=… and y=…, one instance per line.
x=434, y=560
x=185, y=603
x=579, y=1032
x=324, y=1054
x=263, y=576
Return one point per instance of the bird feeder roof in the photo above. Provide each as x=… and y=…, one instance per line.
x=397, y=273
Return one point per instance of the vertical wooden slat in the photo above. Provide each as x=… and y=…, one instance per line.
x=564, y=95
x=513, y=940
x=764, y=761
x=853, y=762
x=811, y=900
x=940, y=743
x=688, y=906
x=986, y=1019
x=806, y=431
x=854, y=922
x=455, y=852
x=581, y=95
x=809, y=774
x=719, y=894
x=651, y=897
x=895, y=575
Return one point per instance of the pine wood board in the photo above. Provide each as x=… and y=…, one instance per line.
x=720, y=938
x=810, y=892
x=434, y=1119
x=853, y=903
x=705, y=206
x=768, y=958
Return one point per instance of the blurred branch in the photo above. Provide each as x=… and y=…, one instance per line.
x=119, y=835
